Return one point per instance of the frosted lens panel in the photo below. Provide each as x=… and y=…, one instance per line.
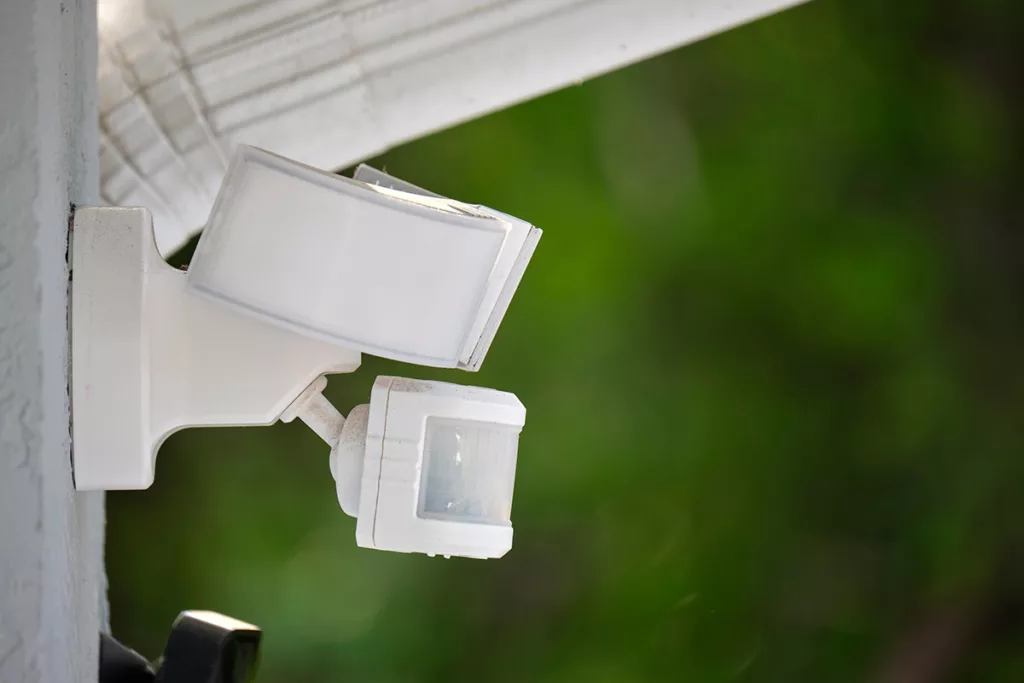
x=469, y=471
x=374, y=271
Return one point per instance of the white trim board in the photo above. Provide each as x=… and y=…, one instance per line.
x=333, y=83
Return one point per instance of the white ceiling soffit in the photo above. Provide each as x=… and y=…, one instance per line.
x=331, y=83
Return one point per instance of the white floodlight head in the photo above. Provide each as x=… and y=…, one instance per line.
x=429, y=467
x=391, y=272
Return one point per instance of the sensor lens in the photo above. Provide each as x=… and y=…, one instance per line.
x=469, y=471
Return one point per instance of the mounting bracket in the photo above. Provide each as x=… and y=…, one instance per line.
x=150, y=357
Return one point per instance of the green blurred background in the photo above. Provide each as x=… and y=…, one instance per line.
x=770, y=349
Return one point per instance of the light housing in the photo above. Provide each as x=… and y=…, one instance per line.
x=398, y=273
x=429, y=467
x=297, y=273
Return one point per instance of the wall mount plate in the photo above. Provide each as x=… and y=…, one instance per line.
x=150, y=357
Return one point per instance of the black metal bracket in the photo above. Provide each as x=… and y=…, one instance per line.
x=203, y=647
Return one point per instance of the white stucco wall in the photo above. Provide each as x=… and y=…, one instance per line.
x=51, y=538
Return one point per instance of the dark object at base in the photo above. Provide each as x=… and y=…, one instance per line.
x=120, y=664
x=206, y=647
x=203, y=647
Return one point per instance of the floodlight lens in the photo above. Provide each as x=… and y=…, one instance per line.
x=469, y=471
x=404, y=276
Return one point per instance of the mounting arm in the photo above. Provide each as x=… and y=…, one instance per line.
x=150, y=357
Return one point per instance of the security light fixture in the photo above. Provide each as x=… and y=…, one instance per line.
x=203, y=647
x=296, y=274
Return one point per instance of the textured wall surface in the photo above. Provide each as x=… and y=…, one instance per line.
x=51, y=538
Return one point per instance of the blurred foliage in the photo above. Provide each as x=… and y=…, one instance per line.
x=770, y=347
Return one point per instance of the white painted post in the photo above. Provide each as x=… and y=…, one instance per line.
x=52, y=593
